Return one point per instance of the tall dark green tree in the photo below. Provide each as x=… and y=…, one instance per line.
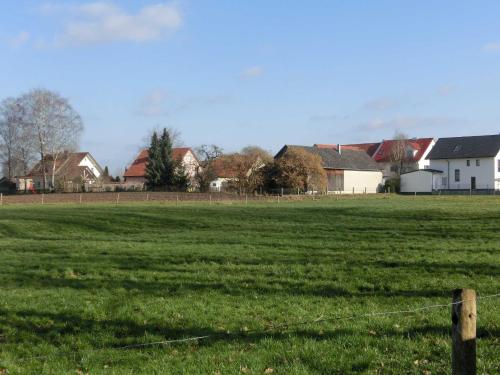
x=167, y=161
x=181, y=180
x=154, y=167
x=106, y=171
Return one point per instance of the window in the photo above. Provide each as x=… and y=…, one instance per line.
x=214, y=184
x=478, y=162
x=498, y=162
x=457, y=175
x=457, y=148
x=468, y=163
x=444, y=181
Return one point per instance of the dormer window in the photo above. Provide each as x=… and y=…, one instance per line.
x=457, y=148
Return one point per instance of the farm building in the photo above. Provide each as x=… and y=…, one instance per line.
x=467, y=163
x=136, y=172
x=421, y=181
x=410, y=154
x=229, y=168
x=71, y=171
x=348, y=170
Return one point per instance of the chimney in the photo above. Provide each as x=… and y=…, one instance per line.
x=339, y=148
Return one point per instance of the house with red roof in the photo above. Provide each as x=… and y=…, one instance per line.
x=135, y=174
x=230, y=168
x=401, y=156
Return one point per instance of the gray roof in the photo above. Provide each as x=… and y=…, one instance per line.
x=430, y=170
x=482, y=146
x=347, y=159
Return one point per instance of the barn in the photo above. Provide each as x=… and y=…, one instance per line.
x=348, y=170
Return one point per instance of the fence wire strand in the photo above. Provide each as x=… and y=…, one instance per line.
x=285, y=326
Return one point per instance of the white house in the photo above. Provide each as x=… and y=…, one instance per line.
x=348, y=170
x=467, y=162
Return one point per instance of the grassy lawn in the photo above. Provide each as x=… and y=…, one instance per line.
x=76, y=282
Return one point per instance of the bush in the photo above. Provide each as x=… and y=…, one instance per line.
x=393, y=185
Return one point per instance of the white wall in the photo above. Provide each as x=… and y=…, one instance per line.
x=419, y=182
x=359, y=180
x=485, y=173
x=190, y=164
x=423, y=163
x=87, y=162
x=216, y=185
x=497, y=171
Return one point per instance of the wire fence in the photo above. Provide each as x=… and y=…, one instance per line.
x=271, y=328
x=168, y=197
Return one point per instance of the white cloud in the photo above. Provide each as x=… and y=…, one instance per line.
x=20, y=39
x=154, y=104
x=252, y=72
x=492, y=47
x=105, y=22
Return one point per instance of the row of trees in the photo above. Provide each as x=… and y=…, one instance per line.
x=251, y=170
x=37, y=125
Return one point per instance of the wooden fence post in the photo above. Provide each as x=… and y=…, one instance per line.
x=43, y=195
x=80, y=199
x=117, y=198
x=463, y=317
x=1, y=199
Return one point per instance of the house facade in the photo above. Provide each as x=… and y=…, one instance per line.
x=70, y=171
x=467, y=163
x=398, y=156
x=348, y=170
x=136, y=172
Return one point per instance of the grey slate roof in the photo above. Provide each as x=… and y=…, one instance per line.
x=482, y=146
x=429, y=170
x=347, y=159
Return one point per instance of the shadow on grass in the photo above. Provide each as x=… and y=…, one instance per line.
x=28, y=327
x=177, y=285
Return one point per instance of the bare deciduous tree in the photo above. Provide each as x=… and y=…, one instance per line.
x=13, y=142
x=205, y=172
x=398, y=152
x=56, y=126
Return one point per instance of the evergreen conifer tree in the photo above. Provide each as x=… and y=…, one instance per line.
x=167, y=175
x=154, y=167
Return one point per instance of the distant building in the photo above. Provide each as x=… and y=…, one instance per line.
x=72, y=171
x=467, y=162
x=348, y=169
x=226, y=170
x=136, y=172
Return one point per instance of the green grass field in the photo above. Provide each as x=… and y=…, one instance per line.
x=77, y=282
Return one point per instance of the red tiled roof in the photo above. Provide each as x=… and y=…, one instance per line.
x=224, y=167
x=419, y=144
x=138, y=166
x=369, y=148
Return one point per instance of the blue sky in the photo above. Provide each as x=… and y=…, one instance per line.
x=236, y=73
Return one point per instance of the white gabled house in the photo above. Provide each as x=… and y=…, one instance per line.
x=459, y=163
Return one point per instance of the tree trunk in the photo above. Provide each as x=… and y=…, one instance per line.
x=54, y=160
